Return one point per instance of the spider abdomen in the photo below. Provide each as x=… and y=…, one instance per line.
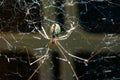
x=55, y=29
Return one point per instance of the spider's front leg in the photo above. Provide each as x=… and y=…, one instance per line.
x=69, y=32
x=44, y=34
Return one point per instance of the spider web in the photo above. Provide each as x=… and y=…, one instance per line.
x=95, y=38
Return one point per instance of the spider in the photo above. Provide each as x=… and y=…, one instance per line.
x=54, y=38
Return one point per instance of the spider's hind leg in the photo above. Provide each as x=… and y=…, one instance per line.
x=42, y=59
x=29, y=61
x=83, y=59
x=69, y=63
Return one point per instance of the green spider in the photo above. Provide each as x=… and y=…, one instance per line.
x=54, y=38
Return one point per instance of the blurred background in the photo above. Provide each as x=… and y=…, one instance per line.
x=97, y=33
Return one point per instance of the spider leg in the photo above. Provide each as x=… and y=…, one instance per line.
x=96, y=52
x=69, y=32
x=37, y=68
x=45, y=32
x=44, y=35
x=86, y=60
x=68, y=61
x=45, y=55
x=42, y=62
x=31, y=63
